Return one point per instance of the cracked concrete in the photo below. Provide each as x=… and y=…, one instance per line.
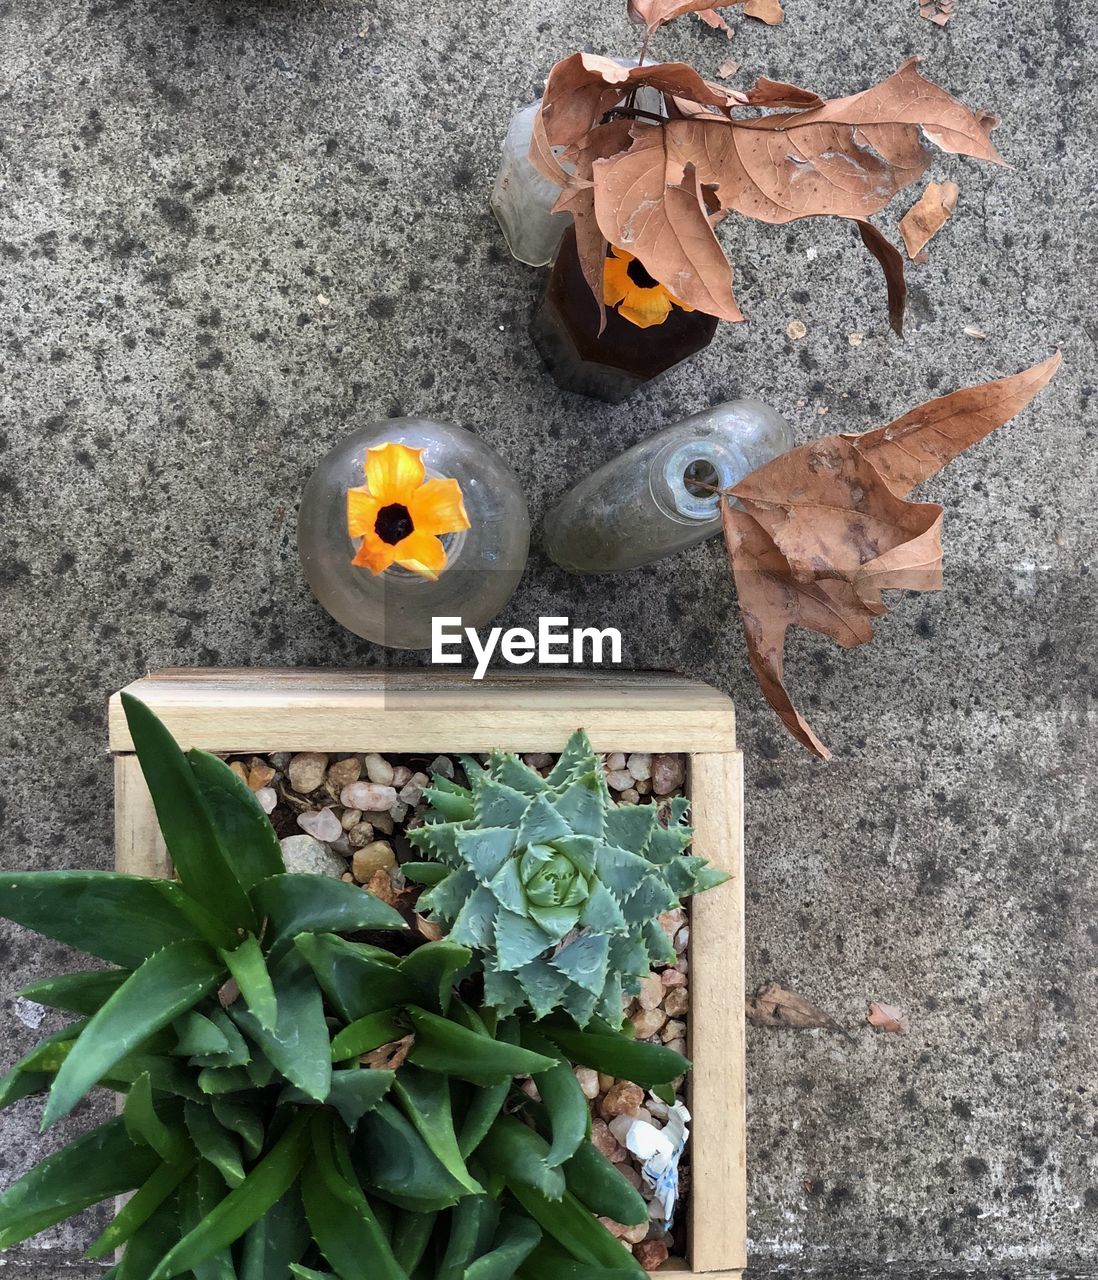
x=181, y=181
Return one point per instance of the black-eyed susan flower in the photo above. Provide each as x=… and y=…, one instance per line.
x=400, y=515
x=638, y=295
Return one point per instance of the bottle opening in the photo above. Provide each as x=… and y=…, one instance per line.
x=700, y=478
x=693, y=474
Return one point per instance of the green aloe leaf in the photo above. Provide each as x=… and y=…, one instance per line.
x=595, y=1181
x=339, y=1215
x=581, y=1234
x=97, y=1166
x=197, y=1036
x=435, y=969
x=300, y=903
x=185, y=820
x=617, y=1055
x=244, y=832
x=479, y=1114
x=145, y=1124
x=354, y=977
x=366, y=1034
x=123, y=919
x=214, y=1142
x=546, y=1264
x=150, y=1242
x=84, y=993
x=567, y=1108
x=425, y=1099
x=515, y=1152
x=298, y=1047
x=236, y=1053
x=393, y=1161
x=199, y=1196
x=34, y=1072
x=166, y=1074
x=307, y=1273
x=248, y=967
x=449, y=1049
x=140, y=1207
x=243, y=1118
x=515, y=1240
x=264, y=1186
x=277, y=1241
x=410, y=1237
x=357, y=1091
x=472, y=1224
x=162, y=988
x=424, y=872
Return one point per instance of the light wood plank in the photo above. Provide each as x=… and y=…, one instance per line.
x=718, y=1182
x=138, y=846
x=416, y=710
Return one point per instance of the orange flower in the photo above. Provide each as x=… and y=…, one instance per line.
x=644, y=301
x=399, y=514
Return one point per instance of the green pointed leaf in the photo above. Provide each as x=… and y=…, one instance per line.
x=495, y=805
x=266, y=1184
x=274, y=1244
x=150, y=1242
x=366, y=1034
x=651, y=898
x=214, y=1142
x=429, y=873
x=248, y=967
x=436, y=840
x=449, y=1049
x=620, y=871
x=140, y=1207
x=520, y=1156
x=617, y=1055
x=546, y=1263
x=34, y=1072
x=507, y=888
x=472, y=1225
x=77, y=992
x=220, y=1080
x=542, y=824
x=292, y=904
x=244, y=832
x=198, y=1196
x=445, y=899
x=475, y=923
x=503, y=991
x=577, y=757
x=581, y=1234
x=596, y=1182
x=355, y=980
x=601, y=913
x=479, y=1113
x=97, y=1166
x=518, y=940
x=411, y=1235
x=611, y=998
x=486, y=849
x=394, y=1162
x=298, y=1047
x=162, y=988
x=424, y=1097
x=357, y=1091
x=515, y=773
x=583, y=805
x=630, y=826
x=185, y=820
x=237, y=1052
x=196, y=1035
x=455, y=804
x=584, y=961
x=579, y=1004
x=513, y=1244
x=342, y=1222
x=307, y=1273
x=565, y=1105
x=166, y=1074
x=435, y=968
x=123, y=919
x=660, y=948
x=144, y=1123
x=242, y=1118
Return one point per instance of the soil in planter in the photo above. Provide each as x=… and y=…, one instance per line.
x=347, y=816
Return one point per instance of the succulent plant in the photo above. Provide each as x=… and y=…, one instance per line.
x=297, y=1103
x=556, y=886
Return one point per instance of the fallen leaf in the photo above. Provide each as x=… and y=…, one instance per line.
x=936, y=11
x=768, y=11
x=773, y=1006
x=657, y=13
x=728, y=67
x=888, y=1018
x=822, y=530
x=389, y=1056
x=892, y=264
x=714, y=18
x=927, y=217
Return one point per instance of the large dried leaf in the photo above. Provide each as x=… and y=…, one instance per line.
x=655, y=13
x=773, y=1006
x=822, y=530
x=768, y=11
x=927, y=217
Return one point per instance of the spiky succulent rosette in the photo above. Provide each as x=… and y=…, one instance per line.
x=556, y=886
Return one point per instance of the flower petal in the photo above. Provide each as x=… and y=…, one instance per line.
x=393, y=471
x=422, y=553
x=437, y=507
x=362, y=509
x=616, y=284
x=646, y=307
x=375, y=555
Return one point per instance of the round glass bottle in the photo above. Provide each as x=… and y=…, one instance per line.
x=484, y=561
x=522, y=199
x=659, y=497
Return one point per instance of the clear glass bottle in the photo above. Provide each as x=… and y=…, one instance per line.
x=522, y=199
x=659, y=497
x=395, y=608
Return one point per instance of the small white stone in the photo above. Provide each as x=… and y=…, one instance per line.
x=321, y=825
x=588, y=1082
x=639, y=765
x=351, y=818
x=619, y=779
x=268, y=799
x=304, y=854
x=367, y=796
x=614, y=761
x=307, y=770
x=401, y=776
x=398, y=812
x=629, y=796
x=379, y=770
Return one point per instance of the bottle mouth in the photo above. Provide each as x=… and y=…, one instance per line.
x=694, y=473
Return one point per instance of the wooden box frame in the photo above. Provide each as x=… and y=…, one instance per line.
x=244, y=711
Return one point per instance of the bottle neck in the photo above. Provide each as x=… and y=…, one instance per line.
x=686, y=479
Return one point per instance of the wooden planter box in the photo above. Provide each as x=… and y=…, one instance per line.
x=418, y=711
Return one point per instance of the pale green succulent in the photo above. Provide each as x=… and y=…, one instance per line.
x=556, y=886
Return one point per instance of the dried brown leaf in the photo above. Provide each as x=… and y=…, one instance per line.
x=715, y=19
x=776, y=93
x=656, y=13
x=773, y=1006
x=892, y=264
x=768, y=11
x=728, y=67
x=888, y=1018
x=928, y=216
x=389, y=1056
x=822, y=530
x=936, y=11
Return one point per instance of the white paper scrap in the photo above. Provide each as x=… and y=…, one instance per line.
x=659, y=1150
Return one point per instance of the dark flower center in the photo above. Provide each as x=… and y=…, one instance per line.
x=638, y=274
x=393, y=523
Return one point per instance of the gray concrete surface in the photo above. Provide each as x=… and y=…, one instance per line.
x=180, y=181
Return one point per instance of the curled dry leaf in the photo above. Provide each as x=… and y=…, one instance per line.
x=821, y=531
x=389, y=1056
x=927, y=217
x=715, y=19
x=773, y=1006
x=937, y=11
x=888, y=1018
x=635, y=172
x=768, y=11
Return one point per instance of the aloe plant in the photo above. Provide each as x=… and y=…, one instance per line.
x=557, y=887
x=258, y=1139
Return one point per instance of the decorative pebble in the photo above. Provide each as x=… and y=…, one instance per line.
x=643, y=786
x=402, y=775
x=676, y=1002
x=615, y=761
x=668, y=774
x=615, y=1228
x=672, y=921
x=650, y=995
x=651, y=1254
x=410, y=794
x=634, y=1235
x=307, y=770
x=260, y=775
x=321, y=825
x=605, y=1081
x=603, y=1139
x=398, y=812
x=647, y=1022
x=381, y=886
x=304, y=854
x=239, y=770
x=380, y=821
x=537, y=759
x=672, y=978
x=360, y=835
x=268, y=799
x=442, y=765
x=588, y=1082
x=672, y=1029
x=344, y=772
x=639, y=765
x=619, y=779
x=280, y=759
x=677, y=1046
x=682, y=940
x=351, y=818
x=367, y=796
x=623, y=1098
x=379, y=770
x=630, y=796
x=376, y=856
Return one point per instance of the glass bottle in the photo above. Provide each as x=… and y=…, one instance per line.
x=659, y=497
x=484, y=562
x=522, y=199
